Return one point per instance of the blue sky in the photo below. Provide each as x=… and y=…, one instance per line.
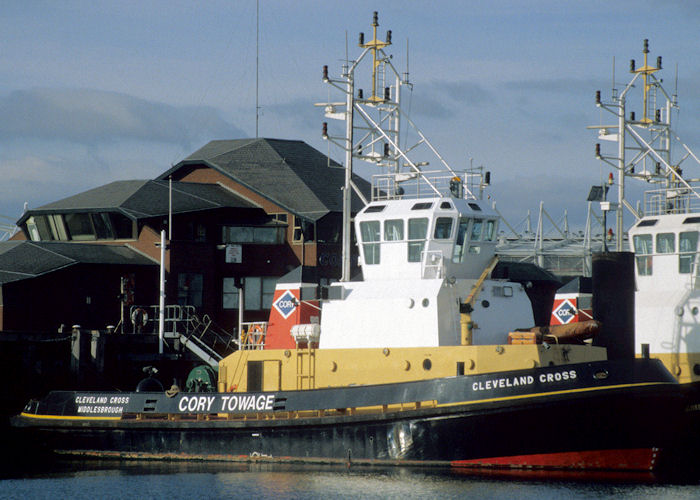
x=92, y=92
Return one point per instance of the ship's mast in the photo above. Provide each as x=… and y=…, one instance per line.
x=643, y=145
x=372, y=129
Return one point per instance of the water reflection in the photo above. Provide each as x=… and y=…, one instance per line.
x=174, y=480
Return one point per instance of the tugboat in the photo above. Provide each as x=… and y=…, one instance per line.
x=416, y=362
x=664, y=236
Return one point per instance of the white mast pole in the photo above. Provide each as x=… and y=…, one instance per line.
x=347, y=187
x=161, y=305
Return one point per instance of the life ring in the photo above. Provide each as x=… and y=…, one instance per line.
x=256, y=330
x=139, y=317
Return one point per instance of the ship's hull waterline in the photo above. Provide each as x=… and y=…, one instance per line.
x=601, y=415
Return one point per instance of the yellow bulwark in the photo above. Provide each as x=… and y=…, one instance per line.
x=294, y=369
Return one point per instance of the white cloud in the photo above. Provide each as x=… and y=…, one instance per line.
x=93, y=117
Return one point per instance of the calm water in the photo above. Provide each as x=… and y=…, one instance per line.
x=127, y=480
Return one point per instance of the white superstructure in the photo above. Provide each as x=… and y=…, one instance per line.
x=424, y=239
x=667, y=301
x=664, y=236
x=420, y=260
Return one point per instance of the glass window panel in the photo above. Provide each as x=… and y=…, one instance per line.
x=643, y=250
x=58, y=229
x=476, y=230
x=417, y=228
x=393, y=230
x=123, y=226
x=238, y=234
x=665, y=243
x=460, y=243
x=687, y=246
x=253, y=287
x=417, y=232
x=490, y=230
x=268, y=291
x=189, y=289
x=642, y=244
x=265, y=235
x=32, y=230
x=230, y=294
x=369, y=232
x=443, y=228
x=102, y=229
x=42, y=226
x=80, y=227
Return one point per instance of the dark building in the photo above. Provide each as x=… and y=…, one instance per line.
x=236, y=213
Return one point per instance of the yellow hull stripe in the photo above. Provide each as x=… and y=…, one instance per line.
x=554, y=393
x=63, y=417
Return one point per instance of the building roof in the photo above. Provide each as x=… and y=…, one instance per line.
x=21, y=260
x=139, y=199
x=289, y=173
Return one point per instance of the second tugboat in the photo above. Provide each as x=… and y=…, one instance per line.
x=418, y=362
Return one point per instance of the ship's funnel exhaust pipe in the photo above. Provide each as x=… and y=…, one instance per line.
x=613, y=302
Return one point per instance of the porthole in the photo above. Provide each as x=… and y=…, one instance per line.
x=427, y=364
x=425, y=302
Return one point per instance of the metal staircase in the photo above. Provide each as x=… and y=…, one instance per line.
x=201, y=336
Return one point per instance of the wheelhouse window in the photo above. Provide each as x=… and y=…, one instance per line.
x=687, y=249
x=443, y=228
x=476, y=230
x=461, y=242
x=665, y=243
x=643, y=250
x=371, y=236
x=417, y=233
x=393, y=230
x=476, y=233
x=490, y=231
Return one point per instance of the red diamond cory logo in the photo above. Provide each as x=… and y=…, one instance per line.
x=286, y=304
x=565, y=312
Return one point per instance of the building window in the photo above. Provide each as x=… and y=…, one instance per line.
x=303, y=230
x=79, y=226
x=58, y=228
x=189, y=289
x=279, y=217
x=687, y=248
x=230, y=294
x=264, y=235
x=258, y=292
